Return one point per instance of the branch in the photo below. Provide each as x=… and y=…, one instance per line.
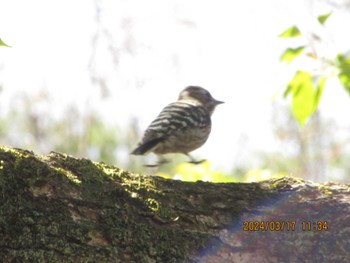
x=59, y=208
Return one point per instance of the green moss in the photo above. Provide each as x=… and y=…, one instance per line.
x=74, y=210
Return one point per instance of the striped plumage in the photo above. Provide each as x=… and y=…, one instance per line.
x=182, y=126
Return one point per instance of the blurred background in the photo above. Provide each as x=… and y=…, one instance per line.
x=87, y=77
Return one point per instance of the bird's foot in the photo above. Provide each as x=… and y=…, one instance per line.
x=160, y=162
x=197, y=162
x=151, y=165
x=192, y=160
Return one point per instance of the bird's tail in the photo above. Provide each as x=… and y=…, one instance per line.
x=146, y=146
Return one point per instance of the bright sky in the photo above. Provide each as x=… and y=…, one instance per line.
x=228, y=47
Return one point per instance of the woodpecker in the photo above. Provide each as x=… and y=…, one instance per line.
x=182, y=126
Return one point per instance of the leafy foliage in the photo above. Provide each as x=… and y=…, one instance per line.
x=292, y=53
x=323, y=18
x=262, y=174
x=292, y=31
x=75, y=133
x=305, y=95
x=2, y=43
x=204, y=172
x=201, y=172
x=344, y=70
x=306, y=87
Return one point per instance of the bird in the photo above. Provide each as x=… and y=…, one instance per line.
x=181, y=127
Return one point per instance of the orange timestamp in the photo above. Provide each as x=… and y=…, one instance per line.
x=285, y=225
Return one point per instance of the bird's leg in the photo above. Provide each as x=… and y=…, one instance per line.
x=193, y=160
x=152, y=165
x=161, y=160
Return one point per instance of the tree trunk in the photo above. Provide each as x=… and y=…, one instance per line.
x=57, y=208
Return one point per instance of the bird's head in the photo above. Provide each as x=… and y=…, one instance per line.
x=199, y=96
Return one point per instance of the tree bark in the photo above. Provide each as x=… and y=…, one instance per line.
x=57, y=208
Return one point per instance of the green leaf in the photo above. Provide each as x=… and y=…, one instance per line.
x=288, y=90
x=293, y=31
x=305, y=96
x=345, y=80
x=344, y=71
x=323, y=18
x=319, y=91
x=2, y=43
x=292, y=53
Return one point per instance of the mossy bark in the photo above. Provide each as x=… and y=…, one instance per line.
x=57, y=208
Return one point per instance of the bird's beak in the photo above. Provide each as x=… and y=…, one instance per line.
x=217, y=102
